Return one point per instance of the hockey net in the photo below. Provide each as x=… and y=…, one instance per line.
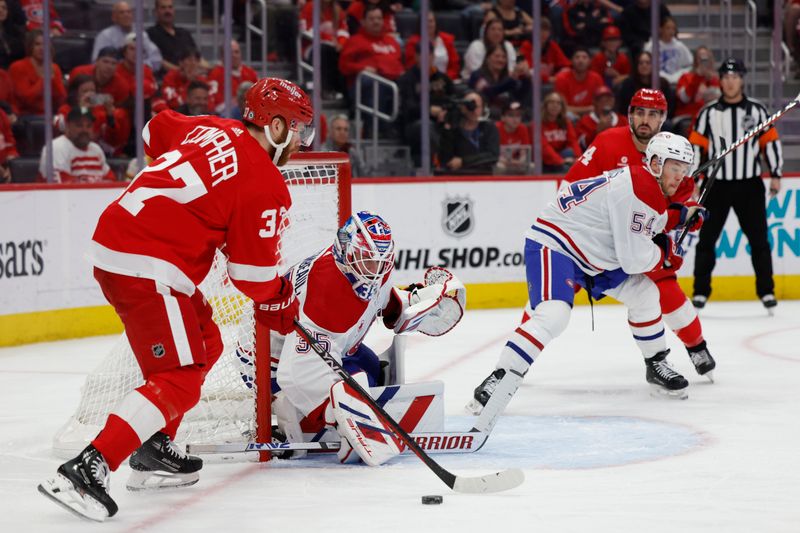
x=235, y=399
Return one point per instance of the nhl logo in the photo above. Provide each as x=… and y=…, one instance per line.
x=457, y=218
x=158, y=350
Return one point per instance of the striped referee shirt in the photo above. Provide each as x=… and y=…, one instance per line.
x=729, y=122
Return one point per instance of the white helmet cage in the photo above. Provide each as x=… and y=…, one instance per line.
x=665, y=146
x=364, y=252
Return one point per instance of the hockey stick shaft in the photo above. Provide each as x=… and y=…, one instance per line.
x=717, y=161
x=446, y=442
x=498, y=481
x=748, y=135
x=704, y=192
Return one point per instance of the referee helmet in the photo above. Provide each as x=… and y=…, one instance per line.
x=733, y=65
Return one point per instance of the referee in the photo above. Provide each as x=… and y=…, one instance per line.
x=739, y=184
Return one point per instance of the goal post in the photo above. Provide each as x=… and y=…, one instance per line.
x=235, y=401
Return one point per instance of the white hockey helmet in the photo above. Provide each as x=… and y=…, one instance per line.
x=364, y=252
x=665, y=146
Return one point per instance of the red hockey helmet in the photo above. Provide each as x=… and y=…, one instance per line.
x=649, y=99
x=273, y=97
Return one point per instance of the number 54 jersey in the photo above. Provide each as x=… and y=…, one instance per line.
x=606, y=222
x=210, y=186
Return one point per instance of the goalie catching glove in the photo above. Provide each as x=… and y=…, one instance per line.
x=433, y=308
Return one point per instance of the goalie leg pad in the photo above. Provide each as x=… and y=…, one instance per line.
x=360, y=428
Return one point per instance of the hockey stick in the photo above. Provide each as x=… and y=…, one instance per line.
x=717, y=161
x=497, y=482
x=704, y=191
x=748, y=135
x=433, y=443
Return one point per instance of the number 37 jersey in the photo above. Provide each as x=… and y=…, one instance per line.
x=210, y=186
x=606, y=222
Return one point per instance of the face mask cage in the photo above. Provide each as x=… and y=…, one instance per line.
x=365, y=255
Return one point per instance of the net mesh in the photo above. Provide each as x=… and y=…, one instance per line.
x=226, y=410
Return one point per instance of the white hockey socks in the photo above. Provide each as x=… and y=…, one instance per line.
x=548, y=321
x=363, y=434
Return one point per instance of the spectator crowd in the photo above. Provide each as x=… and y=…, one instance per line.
x=595, y=54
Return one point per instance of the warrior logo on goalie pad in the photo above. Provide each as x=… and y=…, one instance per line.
x=457, y=220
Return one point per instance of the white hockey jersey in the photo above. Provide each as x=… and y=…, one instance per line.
x=339, y=320
x=606, y=222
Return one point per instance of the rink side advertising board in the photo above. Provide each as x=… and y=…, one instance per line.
x=474, y=226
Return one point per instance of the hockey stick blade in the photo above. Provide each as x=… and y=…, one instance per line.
x=435, y=443
x=497, y=482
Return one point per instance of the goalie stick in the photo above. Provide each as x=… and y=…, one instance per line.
x=497, y=482
x=433, y=443
x=718, y=160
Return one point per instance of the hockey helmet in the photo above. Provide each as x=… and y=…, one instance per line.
x=665, y=146
x=648, y=99
x=364, y=252
x=733, y=65
x=273, y=97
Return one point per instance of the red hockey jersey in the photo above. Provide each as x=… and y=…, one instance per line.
x=614, y=148
x=211, y=186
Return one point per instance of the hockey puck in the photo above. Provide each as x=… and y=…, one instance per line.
x=432, y=500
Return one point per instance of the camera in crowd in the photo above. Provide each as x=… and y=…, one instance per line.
x=454, y=110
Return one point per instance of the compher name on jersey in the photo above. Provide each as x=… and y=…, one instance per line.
x=221, y=156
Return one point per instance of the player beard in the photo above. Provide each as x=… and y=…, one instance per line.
x=644, y=139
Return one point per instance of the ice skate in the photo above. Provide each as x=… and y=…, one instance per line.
x=81, y=486
x=699, y=301
x=159, y=464
x=663, y=379
x=702, y=360
x=770, y=303
x=484, y=391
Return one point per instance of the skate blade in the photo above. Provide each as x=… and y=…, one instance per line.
x=158, y=480
x=473, y=407
x=62, y=491
x=709, y=375
x=770, y=311
x=658, y=391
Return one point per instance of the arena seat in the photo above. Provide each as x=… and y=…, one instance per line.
x=100, y=17
x=407, y=23
x=75, y=15
x=120, y=166
x=24, y=169
x=452, y=22
x=72, y=51
x=29, y=133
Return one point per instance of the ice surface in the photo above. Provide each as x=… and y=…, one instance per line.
x=599, y=453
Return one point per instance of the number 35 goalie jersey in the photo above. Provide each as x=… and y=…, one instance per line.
x=210, y=186
x=331, y=311
x=606, y=222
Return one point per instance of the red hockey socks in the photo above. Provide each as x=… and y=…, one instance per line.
x=159, y=403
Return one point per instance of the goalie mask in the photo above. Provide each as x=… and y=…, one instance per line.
x=364, y=252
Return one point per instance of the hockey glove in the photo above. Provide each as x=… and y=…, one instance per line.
x=433, y=308
x=671, y=255
x=681, y=214
x=278, y=313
